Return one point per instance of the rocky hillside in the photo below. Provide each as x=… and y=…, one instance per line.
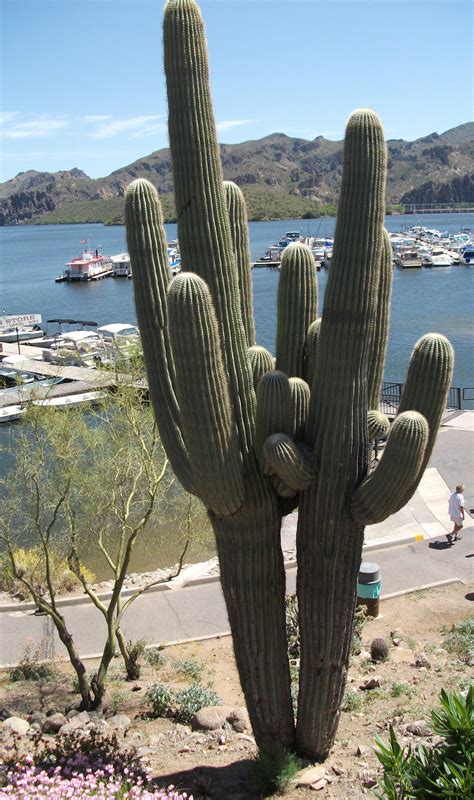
x=280, y=176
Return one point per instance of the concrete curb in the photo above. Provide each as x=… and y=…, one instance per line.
x=181, y=583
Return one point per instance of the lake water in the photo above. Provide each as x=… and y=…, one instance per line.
x=423, y=300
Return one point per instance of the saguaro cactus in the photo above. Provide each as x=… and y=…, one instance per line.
x=254, y=441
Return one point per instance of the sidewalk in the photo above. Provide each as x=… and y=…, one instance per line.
x=173, y=612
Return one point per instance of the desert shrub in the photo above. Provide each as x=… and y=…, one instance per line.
x=292, y=626
x=353, y=702
x=360, y=619
x=160, y=698
x=154, y=657
x=192, y=699
x=31, y=668
x=30, y=565
x=459, y=640
x=189, y=668
x=445, y=771
x=273, y=770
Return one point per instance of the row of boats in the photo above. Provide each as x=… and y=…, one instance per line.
x=93, y=265
x=111, y=345
x=415, y=248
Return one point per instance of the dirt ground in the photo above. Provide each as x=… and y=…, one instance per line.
x=219, y=764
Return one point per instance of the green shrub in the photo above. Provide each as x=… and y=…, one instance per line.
x=189, y=668
x=446, y=771
x=459, y=640
x=160, y=697
x=30, y=564
x=31, y=668
x=273, y=770
x=154, y=657
x=192, y=699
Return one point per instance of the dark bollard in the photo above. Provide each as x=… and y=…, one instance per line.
x=368, y=588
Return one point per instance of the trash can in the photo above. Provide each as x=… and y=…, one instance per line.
x=368, y=588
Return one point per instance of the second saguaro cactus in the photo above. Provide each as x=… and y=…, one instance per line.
x=253, y=438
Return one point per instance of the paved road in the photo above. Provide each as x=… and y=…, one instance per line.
x=199, y=610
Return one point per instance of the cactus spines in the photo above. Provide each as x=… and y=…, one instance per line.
x=378, y=425
x=293, y=465
x=297, y=307
x=261, y=361
x=311, y=350
x=379, y=649
x=202, y=392
x=240, y=242
x=385, y=490
x=380, y=334
x=274, y=411
x=147, y=247
x=217, y=431
x=300, y=403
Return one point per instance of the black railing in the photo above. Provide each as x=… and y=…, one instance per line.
x=391, y=393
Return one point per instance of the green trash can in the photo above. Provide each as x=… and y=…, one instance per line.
x=369, y=587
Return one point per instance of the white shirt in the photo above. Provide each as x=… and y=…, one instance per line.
x=456, y=502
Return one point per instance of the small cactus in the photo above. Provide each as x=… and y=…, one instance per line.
x=379, y=650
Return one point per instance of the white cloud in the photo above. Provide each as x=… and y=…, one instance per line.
x=226, y=124
x=97, y=117
x=138, y=126
x=15, y=128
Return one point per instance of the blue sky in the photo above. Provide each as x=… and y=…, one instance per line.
x=83, y=84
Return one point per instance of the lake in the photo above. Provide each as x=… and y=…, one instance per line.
x=423, y=299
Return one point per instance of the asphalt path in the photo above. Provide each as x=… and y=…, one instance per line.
x=196, y=611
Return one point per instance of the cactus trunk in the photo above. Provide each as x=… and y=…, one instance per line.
x=253, y=583
x=326, y=602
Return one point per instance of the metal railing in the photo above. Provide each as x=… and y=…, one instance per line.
x=392, y=392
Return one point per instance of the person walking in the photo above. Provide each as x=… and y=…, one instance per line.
x=456, y=513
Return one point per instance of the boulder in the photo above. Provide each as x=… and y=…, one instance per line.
x=76, y=722
x=211, y=718
x=119, y=723
x=54, y=723
x=310, y=776
x=4, y=714
x=418, y=728
x=17, y=725
x=239, y=720
x=39, y=717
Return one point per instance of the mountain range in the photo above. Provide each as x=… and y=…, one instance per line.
x=281, y=177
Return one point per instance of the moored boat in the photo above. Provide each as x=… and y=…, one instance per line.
x=20, y=327
x=87, y=267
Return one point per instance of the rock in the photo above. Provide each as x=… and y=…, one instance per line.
x=309, y=776
x=211, y=718
x=239, y=720
x=338, y=770
x=316, y=787
x=363, y=750
x=51, y=711
x=418, y=728
x=119, y=723
x=421, y=661
x=39, y=717
x=76, y=722
x=53, y=723
x=245, y=737
x=371, y=683
x=99, y=725
x=16, y=725
x=74, y=706
x=4, y=714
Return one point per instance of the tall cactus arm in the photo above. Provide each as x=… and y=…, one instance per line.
x=427, y=385
x=385, y=491
x=203, y=222
x=261, y=361
x=274, y=412
x=337, y=420
x=382, y=319
x=146, y=242
x=240, y=241
x=311, y=350
x=297, y=307
x=293, y=465
x=202, y=389
x=300, y=403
